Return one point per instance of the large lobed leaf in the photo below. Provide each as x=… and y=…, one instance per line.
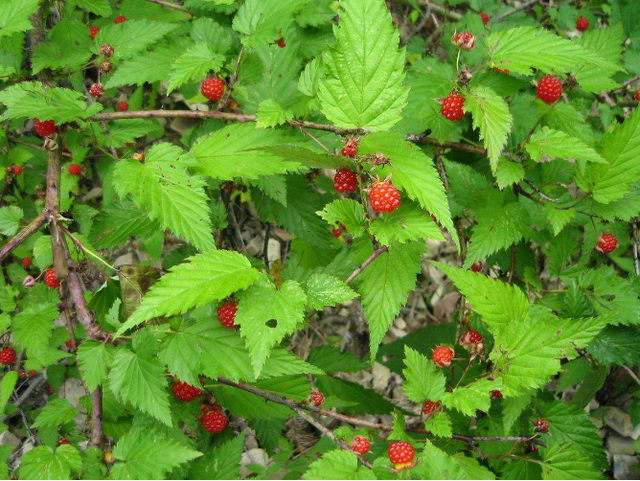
x=262, y=21
x=365, y=70
x=424, y=381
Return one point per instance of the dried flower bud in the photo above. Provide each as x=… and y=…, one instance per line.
x=464, y=40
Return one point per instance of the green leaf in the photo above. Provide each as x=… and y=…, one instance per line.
x=338, y=464
x=606, y=43
x=7, y=384
x=522, y=49
x=193, y=65
x=439, y=425
x=231, y=152
x=325, y=290
x=205, y=278
x=130, y=37
x=123, y=131
x=32, y=328
x=266, y=315
x=565, y=461
x=10, y=218
x=472, y=397
x=407, y=223
x=99, y=7
x=57, y=412
x=138, y=378
x=621, y=148
x=148, y=454
x=384, y=286
x=67, y=46
x=116, y=223
x=146, y=67
x=498, y=303
x=560, y=145
x=94, y=358
x=283, y=363
x=162, y=187
x=222, y=463
x=491, y=115
x=15, y=16
x=347, y=212
x=436, y=464
x=508, y=173
x=616, y=345
x=42, y=462
x=363, y=87
x=272, y=113
x=332, y=359
x=262, y=21
x=424, y=381
x=414, y=172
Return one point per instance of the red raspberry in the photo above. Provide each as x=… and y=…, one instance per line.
x=336, y=232
x=26, y=261
x=638, y=95
x=350, y=149
x=477, y=267
x=549, y=89
x=63, y=441
x=384, y=197
x=442, y=356
x=429, y=407
x=51, y=390
x=46, y=128
x=452, y=107
x=7, y=356
x=345, y=180
x=227, y=314
x=214, y=422
x=360, y=445
x=123, y=106
x=120, y=19
x=464, y=41
x=606, y=243
x=582, y=24
x=93, y=31
x=401, y=454
x=75, y=169
x=213, y=88
x=69, y=344
x=541, y=425
x=17, y=170
x=316, y=398
x=281, y=43
x=33, y=373
x=96, y=90
x=470, y=337
x=50, y=279
x=106, y=50
x=485, y=17
x=496, y=394
x=185, y=392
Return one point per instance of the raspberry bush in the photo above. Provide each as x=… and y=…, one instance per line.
x=331, y=239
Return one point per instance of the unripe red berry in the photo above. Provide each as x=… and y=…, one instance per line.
x=549, y=89
x=384, y=197
x=50, y=279
x=280, y=43
x=484, y=17
x=120, y=19
x=638, y=95
x=7, y=356
x=63, y=441
x=401, y=454
x=336, y=232
x=17, y=170
x=360, y=445
x=345, y=180
x=93, y=31
x=69, y=344
x=470, y=338
x=185, y=392
x=464, y=41
x=452, y=107
x=123, y=106
x=33, y=373
x=96, y=90
x=214, y=422
x=106, y=50
x=606, y=243
x=51, y=390
x=105, y=66
x=46, y=128
x=26, y=261
x=442, y=356
x=212, y=88
x=316, y=398
x=496, y=394
x=541, y=425
x=582, y=24
x=227, y=314
x=75, y=169
x=350, y=149
x=476, y=267
x=429, y=407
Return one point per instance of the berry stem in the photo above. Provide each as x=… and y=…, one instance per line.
x=24, y=234
x=234, y=77
x=175, y=6
x=364, y=265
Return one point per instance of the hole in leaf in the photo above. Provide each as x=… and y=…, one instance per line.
x=272, y=323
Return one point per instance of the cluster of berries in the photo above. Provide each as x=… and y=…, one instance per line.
x=211, y=416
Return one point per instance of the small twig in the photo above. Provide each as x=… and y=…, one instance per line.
x=267, y=235
x=364, y=265
x=632, y=374
x=232, y=81
x=24, y=234
x=52, y=202
x=512, y=268
x=35, y=382
x=175, y=6
x=636, y=241
x=517, y=9
x=96, y=417
x=441, y=170
x=540, y=193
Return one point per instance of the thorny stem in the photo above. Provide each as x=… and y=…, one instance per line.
x=24, y=234
x=366, y=263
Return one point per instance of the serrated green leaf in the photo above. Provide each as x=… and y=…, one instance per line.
x=439, y=424
x=407, y=223
x=99, y=7
x=436, y=464
x=118, y=222
x=332, y=359
x=558, y=218
x=162, y=187
x=363, y=87
x=491, y=116
x=32, y=328
x=120, y=132
x=472, y=397
x=15, y=16
x=10, y=219
x=559, y=145
x=221, y=463
x=606, y=43
x=42, y=462
x=565, y=461
x=262, y=21
x=131, y=37
x=145, y=67
x=271, y=113
x=205, y=278
x=508, y=173
x=56, y=412
x=193, y=65
x=347, y=212
x=325, y=290
x=338, y=464
x=94, y=359
x=67, y=46
x=148, y=454
x=7, y=384
x=424, y=381
x=616, y=345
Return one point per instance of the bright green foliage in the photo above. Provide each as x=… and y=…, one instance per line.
x=425, y=380
x=338, y=464
x=57, y=412
x=440, y=465
x=45, y=463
